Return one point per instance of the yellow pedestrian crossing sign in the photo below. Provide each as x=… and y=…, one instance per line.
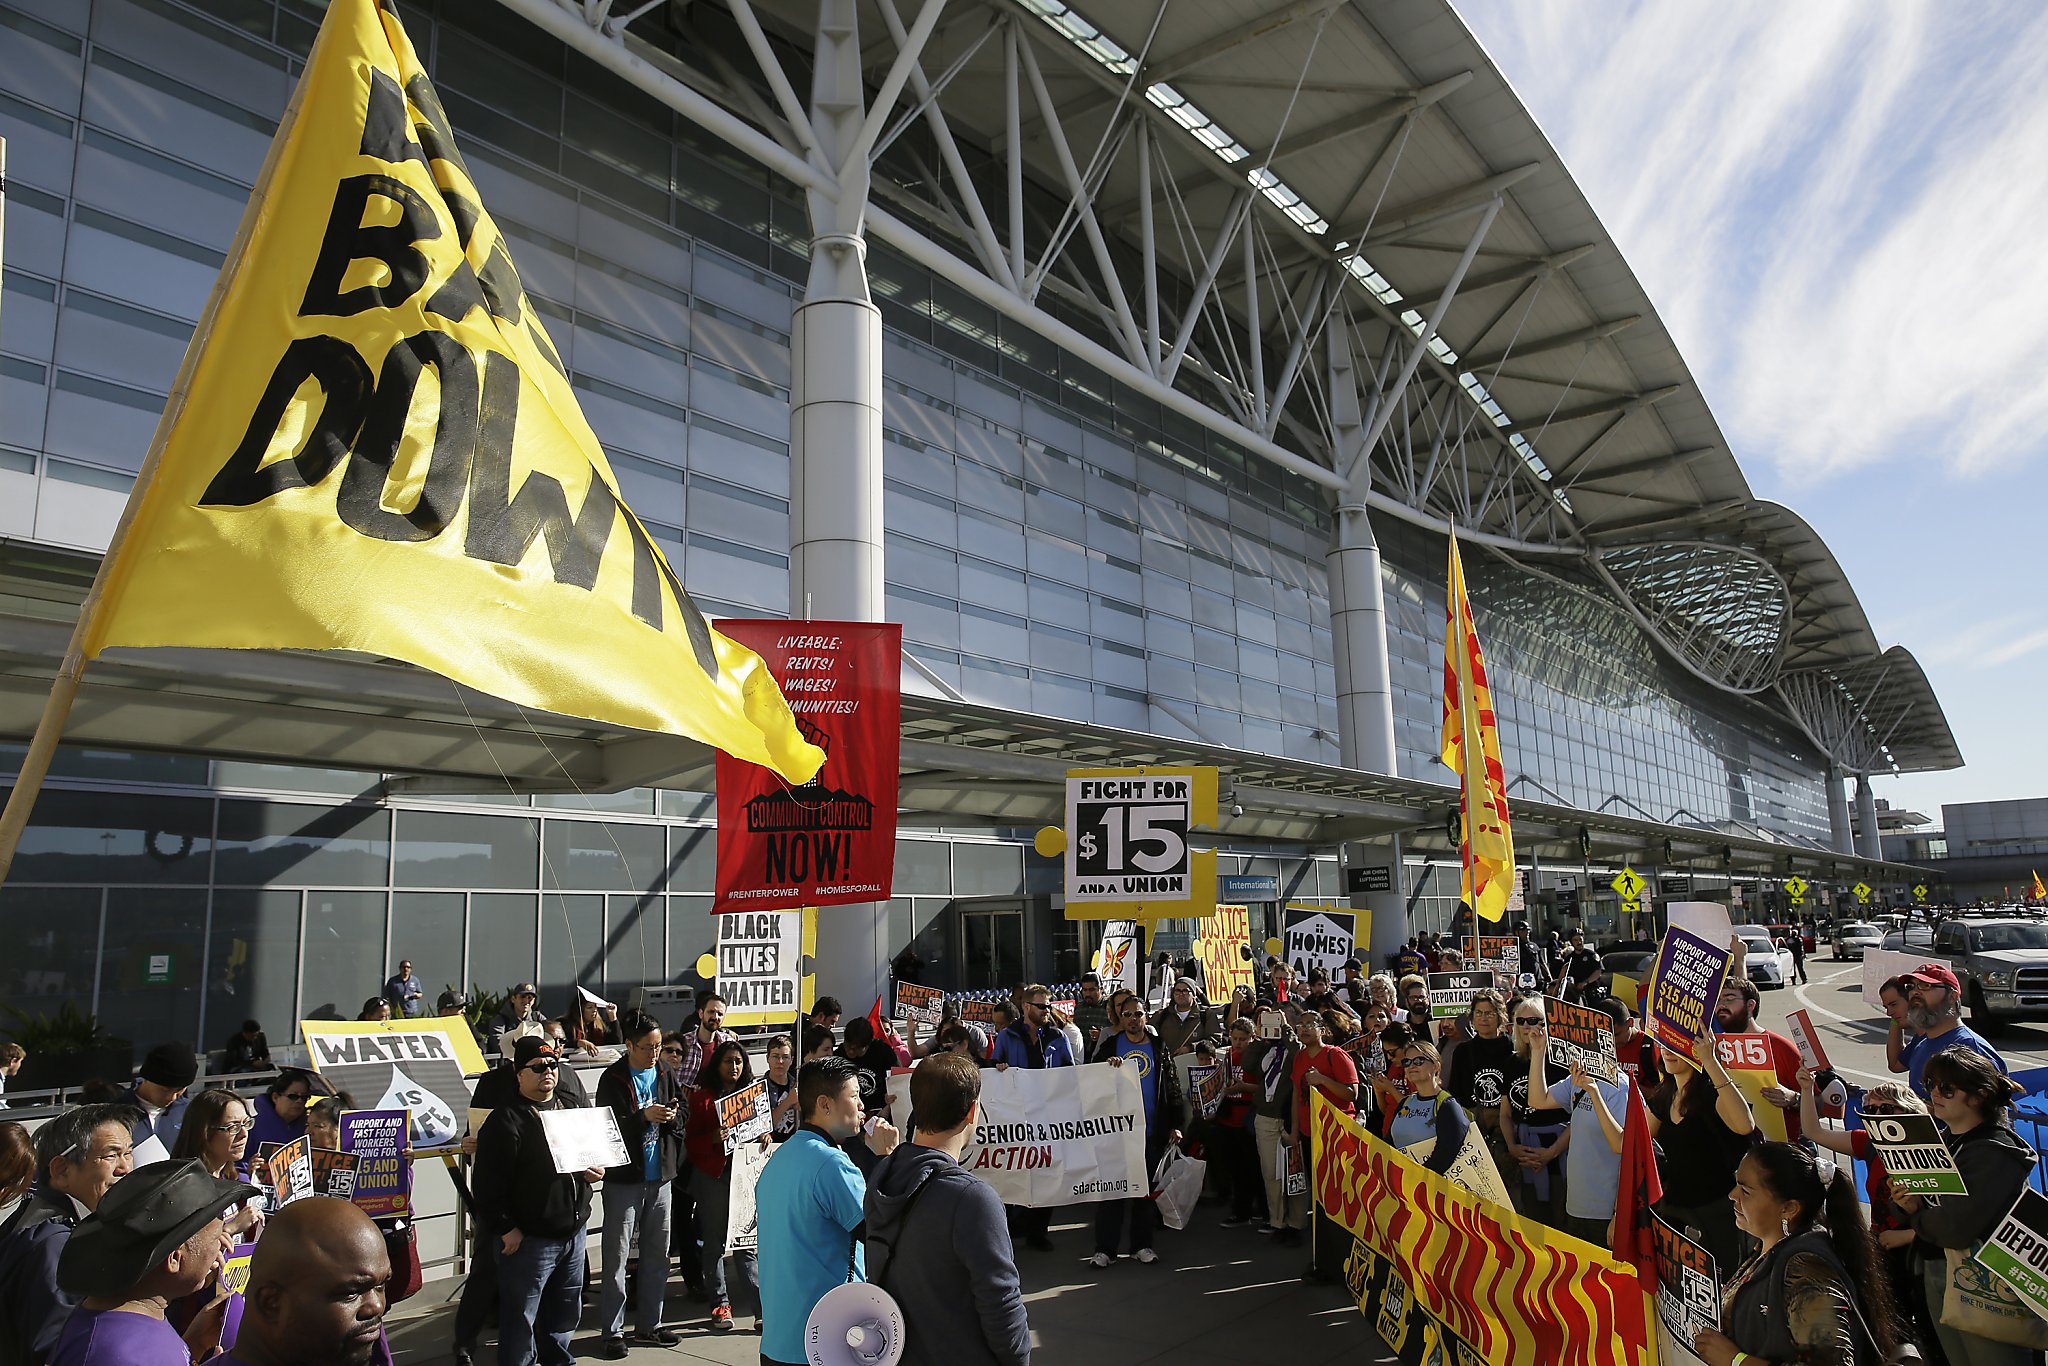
x=1795, y=887
x=1862, y=890
x=1628, y=883
x=1919, y=891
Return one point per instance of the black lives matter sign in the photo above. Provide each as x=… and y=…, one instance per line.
x=1127, y=838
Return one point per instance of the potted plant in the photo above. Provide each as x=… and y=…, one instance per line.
x=67, y=1048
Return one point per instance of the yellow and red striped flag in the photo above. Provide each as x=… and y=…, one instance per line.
x=1471, y=747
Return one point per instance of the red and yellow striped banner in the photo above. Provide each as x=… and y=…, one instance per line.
x=1510, y=1289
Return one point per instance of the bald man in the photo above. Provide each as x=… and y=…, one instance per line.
x=316, y=1290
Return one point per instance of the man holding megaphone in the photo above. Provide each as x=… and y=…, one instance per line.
x=937, y=1238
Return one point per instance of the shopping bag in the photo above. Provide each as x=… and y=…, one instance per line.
x=1976, y=1301
x=1177, y=1186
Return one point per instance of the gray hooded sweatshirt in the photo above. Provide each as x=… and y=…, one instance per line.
x=944, y=1253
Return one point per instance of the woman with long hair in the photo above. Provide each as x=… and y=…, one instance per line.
x=17, y=1165
x=1702, y=1125
x=1536, y=1139
x=216, y=1132
x=1812, y=1292
x=1972, y=1099
x=726, y=1071
x=1481, y=1067
x=280, y=1112
x=1430, y=1114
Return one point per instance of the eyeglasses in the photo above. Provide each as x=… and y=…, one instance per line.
x=538, y=1068
x=240, y=1126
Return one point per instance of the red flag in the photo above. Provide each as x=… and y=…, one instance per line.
x=1630, y=1234
x=875, y=1017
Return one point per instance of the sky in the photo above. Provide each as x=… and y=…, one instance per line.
x=1840, y=212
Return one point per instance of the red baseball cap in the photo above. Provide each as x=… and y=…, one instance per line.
x=1934, y=975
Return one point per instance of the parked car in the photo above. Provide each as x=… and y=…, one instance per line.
x=1852, y=937
x=1912, y=939
x=2003, y=966
x=1768, y=965
x=1630, y=957
x=1783, y=934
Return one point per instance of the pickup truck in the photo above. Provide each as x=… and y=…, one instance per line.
x=2003, y=966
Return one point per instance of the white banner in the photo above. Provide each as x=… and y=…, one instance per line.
x=1057, y=1136
x=1317, y=937
x=1880, y=966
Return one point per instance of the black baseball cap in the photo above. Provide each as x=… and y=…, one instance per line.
x=141, y=1219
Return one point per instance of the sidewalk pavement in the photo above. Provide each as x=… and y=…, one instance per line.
x=1216, y=1295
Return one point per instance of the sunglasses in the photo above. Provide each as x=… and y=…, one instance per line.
x=537, y=1068
x=1528, y=1020
x=1945, y=1088
x=1132, y=1015
x=674, y=1048
x=1417, y=1062
x=299, y=1096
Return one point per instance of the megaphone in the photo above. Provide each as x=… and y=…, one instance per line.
x=856, y=1324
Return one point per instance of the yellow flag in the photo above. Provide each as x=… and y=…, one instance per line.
x=2040, y=891
x=373, y=446
x=1471, y=746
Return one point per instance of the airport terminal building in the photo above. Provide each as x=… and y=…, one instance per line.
x=1138, y=370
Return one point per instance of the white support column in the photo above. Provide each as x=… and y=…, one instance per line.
x=835, y=438
x=1839, y=833
x=1869, y=843
x=1358, y=641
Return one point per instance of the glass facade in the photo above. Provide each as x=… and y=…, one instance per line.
x=1056, y=544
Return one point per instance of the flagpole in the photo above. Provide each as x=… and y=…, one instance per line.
x=42, y=746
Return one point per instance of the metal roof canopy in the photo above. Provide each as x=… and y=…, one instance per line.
x=1550, y=413
x=962, y=764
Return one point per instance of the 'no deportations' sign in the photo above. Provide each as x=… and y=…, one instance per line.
x=1915, y=1158
x=2017, y=1251
x=1057, y=1136
x=1127, y=839
x=1684, y=985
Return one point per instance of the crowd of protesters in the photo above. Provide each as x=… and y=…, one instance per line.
x=118, y=1214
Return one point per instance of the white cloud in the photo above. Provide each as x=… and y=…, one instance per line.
x=1835, y=206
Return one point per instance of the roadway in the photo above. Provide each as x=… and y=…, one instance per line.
x=1854, y=1035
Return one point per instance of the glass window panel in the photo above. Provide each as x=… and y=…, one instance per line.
x=284, y=844
x=252, y=965
x=456, y=849
x=690, y=935
x=501, y=940
x=987, y=869
x=922, y=866
x=342, y=964
x=636, y=938
x=150, y=979
x=427, y=928
x=692, y=858
x=53, y=939
x=116, y=837
x=571, y=949
x=600, y=856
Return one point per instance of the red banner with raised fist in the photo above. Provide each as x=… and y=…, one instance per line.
x=834, y=838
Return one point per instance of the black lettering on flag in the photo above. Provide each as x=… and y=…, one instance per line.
x=361, y=502
x=349, y=239
x=344, y=380
x=502, y=525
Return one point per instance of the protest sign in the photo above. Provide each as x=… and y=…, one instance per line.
x=1472, y=1168
x=832, y=839
x=2017, y=1251
x=1880, y=966
x=743, y=1115
x=742, y=1218
x=334, y=1173
x=981, y=1012
x=761, y=965
x=1704, y=920
x=1689, y=1284
x=1684, y=985
x=1475, y=1281
x=1799, y=1026
x=234, y=1283
x=918, y=1004
x=1580, y=1034
x=1915, y=1158
x=1116, y=962
x=416, y=1065
x=1318, y=937
x=383, y=1174
x=1627, y=990
x=1058, y=1136
x=291, y=1171
x=1500, y=954
x=1750, y=1065
x=584, y=1137
x=1205, y=1089
x=1450, y=993
x=1225, y=952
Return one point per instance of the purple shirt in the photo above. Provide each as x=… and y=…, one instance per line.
x=115, y=1337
